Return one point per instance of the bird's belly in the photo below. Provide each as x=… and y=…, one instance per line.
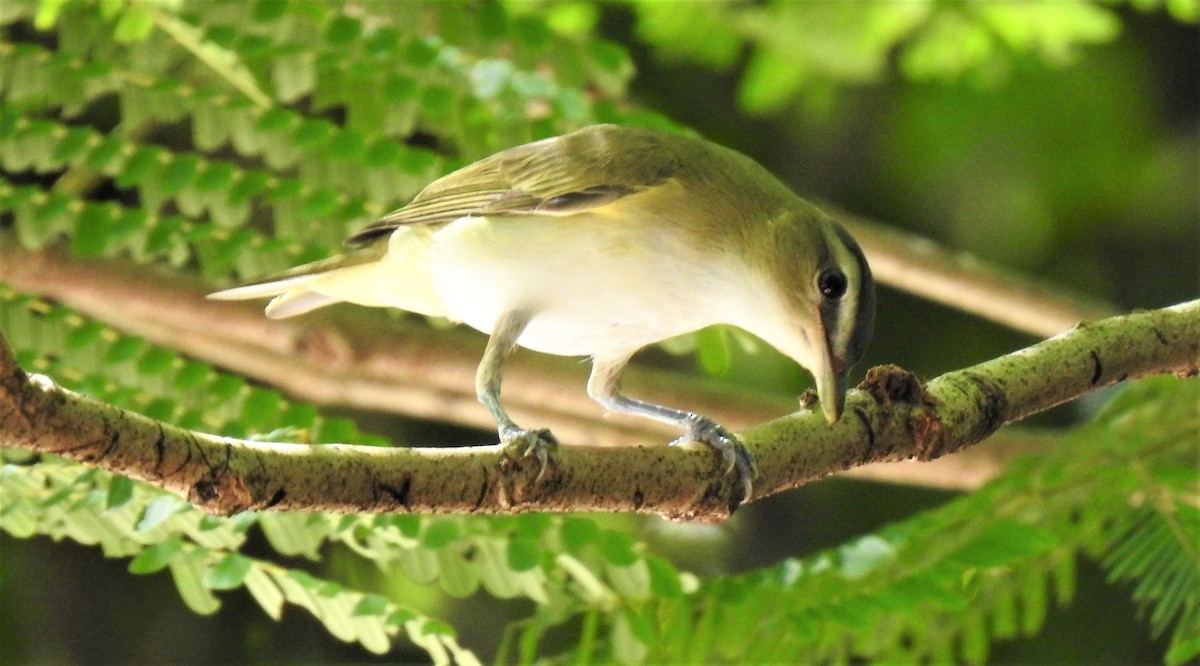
x=603, y=331
x=591, y=286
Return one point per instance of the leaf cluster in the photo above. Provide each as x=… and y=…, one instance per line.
x=812, y=48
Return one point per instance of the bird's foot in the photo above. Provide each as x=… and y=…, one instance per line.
x=521, y=443
x=733, y=453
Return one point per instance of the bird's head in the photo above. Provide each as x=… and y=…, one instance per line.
x=827, y=300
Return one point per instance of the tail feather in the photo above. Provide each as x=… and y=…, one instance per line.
x=288, y=287
x=372, y=275
x=297, y=302
x=261, y=289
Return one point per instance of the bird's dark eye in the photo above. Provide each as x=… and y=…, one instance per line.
x=832, y=284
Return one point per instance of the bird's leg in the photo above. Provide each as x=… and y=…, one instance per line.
x=518, y=442
x=604, y=386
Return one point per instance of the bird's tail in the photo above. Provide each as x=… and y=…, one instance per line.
x=290, y=288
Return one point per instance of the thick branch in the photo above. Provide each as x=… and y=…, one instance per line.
x=891, y=417
x=357, y=358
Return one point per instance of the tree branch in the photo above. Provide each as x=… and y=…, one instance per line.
x=919, y=266
x=891, y=416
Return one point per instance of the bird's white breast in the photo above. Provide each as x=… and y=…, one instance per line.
x=594, y=286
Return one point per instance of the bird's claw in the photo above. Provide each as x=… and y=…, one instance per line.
x=521, y=443
x=734, y=454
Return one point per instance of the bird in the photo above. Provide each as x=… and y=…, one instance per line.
x=598, y=243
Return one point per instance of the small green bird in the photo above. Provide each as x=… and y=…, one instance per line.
x=598, y=243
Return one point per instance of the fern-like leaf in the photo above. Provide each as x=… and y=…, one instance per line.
x=1157, y=551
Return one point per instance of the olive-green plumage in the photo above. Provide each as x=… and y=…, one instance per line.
x=598, y=243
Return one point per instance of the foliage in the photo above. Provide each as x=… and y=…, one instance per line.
x=229, y=139
x=814, y=47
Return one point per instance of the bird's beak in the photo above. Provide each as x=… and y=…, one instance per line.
x=831, y=382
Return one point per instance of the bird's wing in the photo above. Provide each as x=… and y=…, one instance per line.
x=586, y=169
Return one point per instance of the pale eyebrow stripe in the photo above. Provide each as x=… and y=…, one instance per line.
x=848, y=262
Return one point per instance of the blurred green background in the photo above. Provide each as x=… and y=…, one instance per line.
x=1082, y=171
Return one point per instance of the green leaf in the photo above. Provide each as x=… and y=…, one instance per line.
x=159, y=510
x=628, y=644
x=530, y=525
x=266, y=11
x=618, y=548
x=948, y=47
x=421, y=53
x=124, y=349
x=770, y=82
x=312, y=133
x=92, y=232
x=417, y=161
x=383, y=154
x=577, y=533
x=1053, y=29
x=458, y=576
x=104, y=153
x=120, y=491
x=531, y=31
x=47, y=14
x=72, y=145
x=191, y=375
x=440, y=532
x=294, y=534
x=215, y=177
x=188, y=572
x=371, y=604
x=135, y=25
x=156, y=557
x=1158, y=550
x=1184, y=648
x=1005, y=542
x=437, y=101
x=319, y=204
x=145, y=161
x=523, y=554
x=277, y=119
x=229, y=573
x=664, y=579
x=343, y=30
x=156, y=361
x=437, y=627
x=409, y=526
x=177, y=173
x=347, y=145
x=399, y=88
x=265, y=591
x=632, y=581
x=261, y=408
